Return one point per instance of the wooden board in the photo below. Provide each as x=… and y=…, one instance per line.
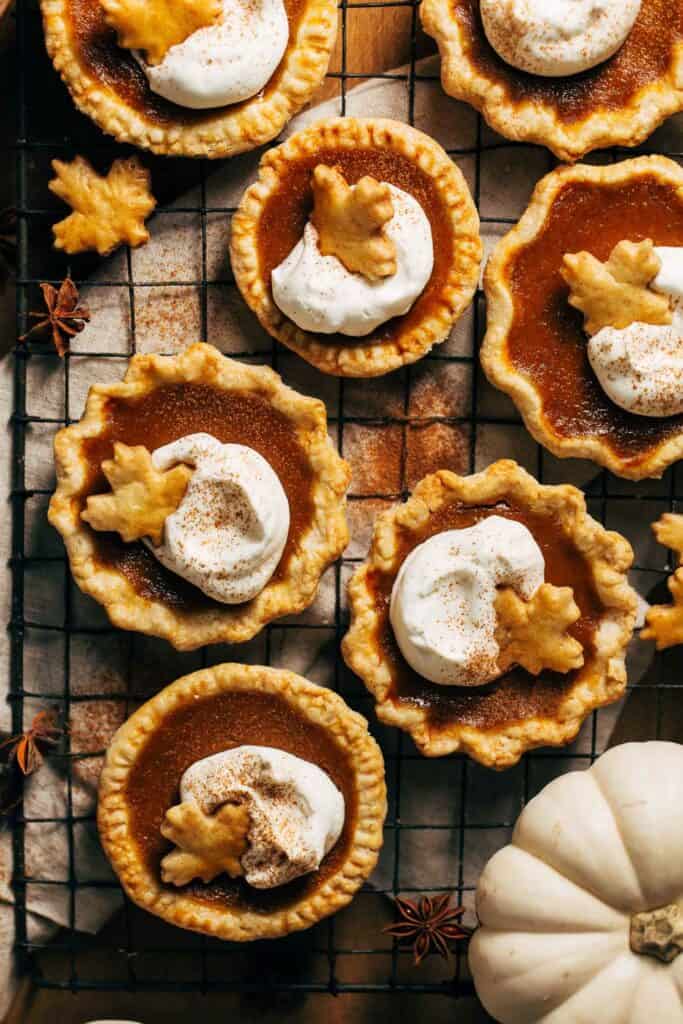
x=377, y=39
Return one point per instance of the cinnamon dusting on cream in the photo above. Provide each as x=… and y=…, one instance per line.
x=296, y=813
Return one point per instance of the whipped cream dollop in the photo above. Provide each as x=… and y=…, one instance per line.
x=442, y=602
x=640, y=367
x=296, y=811
x=319, y=294
x=223, y=63
x=230, y=529
x=557, y=37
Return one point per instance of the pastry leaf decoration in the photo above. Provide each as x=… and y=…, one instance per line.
x=350, y=222
x=142, y=497
x=664, y=623
x=107, y=210
x=616, y=293
x=669, y=532
x=533, y=633
x=207, y=845
x=156, y=25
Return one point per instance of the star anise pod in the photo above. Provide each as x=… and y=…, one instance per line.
x=24, y=754
x=429, y=924
x=8, y=242
x=65, y=318
x=28, y=749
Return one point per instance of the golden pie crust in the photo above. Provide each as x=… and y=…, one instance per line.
x=539, y=122
x=222, y=132
x=521, y=387
x=602, y=679
x=319, y=706
x=361, y=357
x=316, y=549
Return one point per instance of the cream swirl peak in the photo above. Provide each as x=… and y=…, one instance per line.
x=640, y=367
x=230, y=529
x=296, y=811
x=223, y=63
x=557, y=37
x=319, y=294
x=443, y=599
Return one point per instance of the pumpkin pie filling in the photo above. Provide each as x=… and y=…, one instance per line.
x=283, y=801
x=517, y=695
x=288, y=209
x=644, y=58
x=171, y=412
x=369, y=209
x=96, y=45
x=547, y=342
x=491, y=614
x=239, y=526
x=208, y=726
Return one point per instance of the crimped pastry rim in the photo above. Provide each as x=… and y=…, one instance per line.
x=236, y=130
x=360, y=359
x=500, y=313
x=609, y=555
x=535, y=123
x=319, y=705
x=319, y=546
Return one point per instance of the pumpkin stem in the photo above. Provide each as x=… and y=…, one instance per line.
x=658, y=933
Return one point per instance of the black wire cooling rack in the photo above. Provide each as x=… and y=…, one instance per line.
x=432, y=843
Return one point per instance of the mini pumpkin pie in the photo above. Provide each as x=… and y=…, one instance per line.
x=358, y=246
x=191, y=77
x=243, y=802
x=585, y=315
x=200, y=498
x=571, y=76
x=492, y=614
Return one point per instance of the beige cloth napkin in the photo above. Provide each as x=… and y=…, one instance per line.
x=167, y=319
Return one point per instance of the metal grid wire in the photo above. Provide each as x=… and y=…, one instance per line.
x=326, y=959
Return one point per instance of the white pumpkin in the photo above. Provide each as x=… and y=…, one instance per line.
x=582, y=914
